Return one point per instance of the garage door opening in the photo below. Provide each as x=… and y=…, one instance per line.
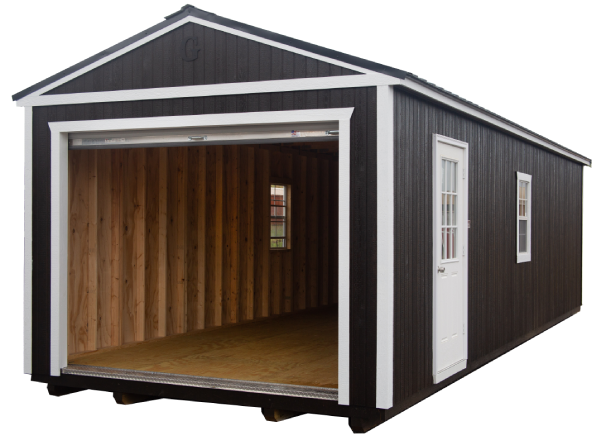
x=208, y=257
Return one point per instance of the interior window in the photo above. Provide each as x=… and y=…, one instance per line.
x=279, y=216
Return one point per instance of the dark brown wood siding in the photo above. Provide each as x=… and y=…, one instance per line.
x=507, y=301
x=222, y=58
x=362, y=216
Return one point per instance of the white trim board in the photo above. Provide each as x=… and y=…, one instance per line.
x=179, y=23
x=28, y=250
x=385, y=248
x=226, y=89
x=59, y=211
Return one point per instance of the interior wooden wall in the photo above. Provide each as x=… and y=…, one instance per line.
x=169, y=240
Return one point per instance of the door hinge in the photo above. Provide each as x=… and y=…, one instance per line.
x=463, y=172
x=463, y=250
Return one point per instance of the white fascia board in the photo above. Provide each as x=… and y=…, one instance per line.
x=183, y=21
x=385, y=248
x=464, y=108
x=235, y=88
x=28, y=253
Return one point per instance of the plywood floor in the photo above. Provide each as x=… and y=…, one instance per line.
x=299, y=348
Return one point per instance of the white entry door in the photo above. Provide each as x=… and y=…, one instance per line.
x=450, y=256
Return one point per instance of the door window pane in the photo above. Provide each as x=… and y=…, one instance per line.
x=443, y=218
x=443, y=243
x=453, y=243
x=454, y=210
x=454, y=175
x=443, y=175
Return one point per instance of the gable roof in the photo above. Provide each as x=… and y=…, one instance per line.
x=413, y=82
x=189, y=10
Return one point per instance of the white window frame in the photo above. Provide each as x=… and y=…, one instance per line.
x=526, y=256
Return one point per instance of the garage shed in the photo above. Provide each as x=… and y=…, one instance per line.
x=218, y=213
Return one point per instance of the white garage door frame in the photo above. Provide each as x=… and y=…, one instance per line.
x=59, y=210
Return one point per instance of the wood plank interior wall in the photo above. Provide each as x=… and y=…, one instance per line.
x=169, y=240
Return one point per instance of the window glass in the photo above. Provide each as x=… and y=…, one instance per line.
x=449, y=209
x=278, y=216
x=522, y=236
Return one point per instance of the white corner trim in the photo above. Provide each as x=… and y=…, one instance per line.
x=226, y=89
x=426, y=91
x=28, y=251
x=59, y=211
x=385, y=248
x=165, y=30
x=525, y=257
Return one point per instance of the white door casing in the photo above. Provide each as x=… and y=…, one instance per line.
x=450, y=213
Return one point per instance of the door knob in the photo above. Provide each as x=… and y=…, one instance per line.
x=441, y=269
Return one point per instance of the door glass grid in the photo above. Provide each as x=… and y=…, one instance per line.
x=449, y=209
x=523, y=216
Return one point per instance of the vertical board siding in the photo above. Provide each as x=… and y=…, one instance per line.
x=166, y=195
x=362, y=358
x=507, y=300
x=104, y=242
x=312, y=234
x=92, y=251
x=192, y=256
x=78, y=254
x=152, y=244
x=222, y=58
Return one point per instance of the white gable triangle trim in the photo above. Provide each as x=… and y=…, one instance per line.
x=181, y=22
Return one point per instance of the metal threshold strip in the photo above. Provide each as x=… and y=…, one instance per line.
x=324, y=393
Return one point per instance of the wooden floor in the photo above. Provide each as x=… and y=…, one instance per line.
x=299, y=348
